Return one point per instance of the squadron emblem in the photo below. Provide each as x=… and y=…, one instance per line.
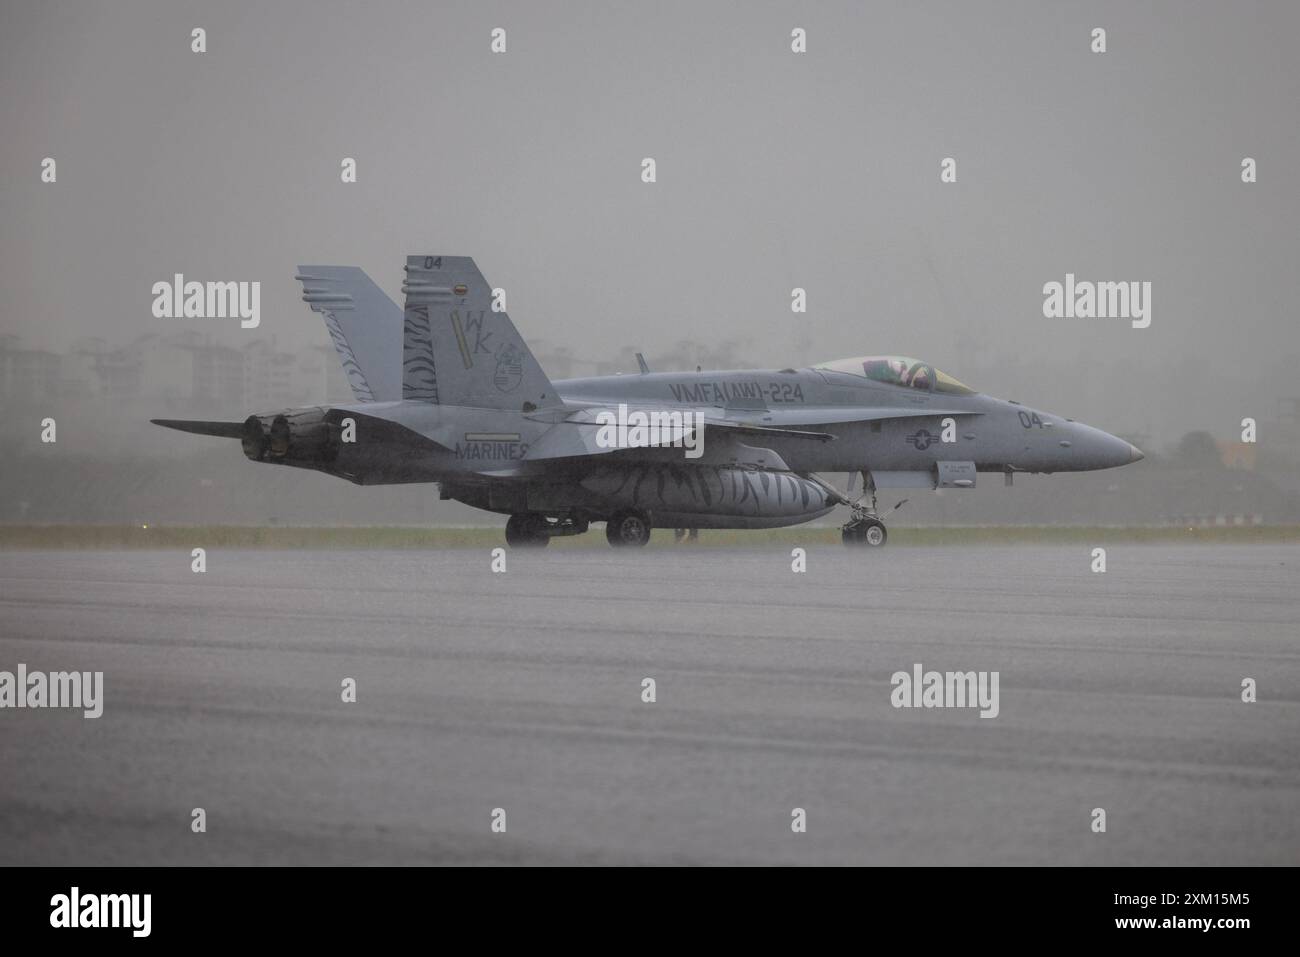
x=510, y=368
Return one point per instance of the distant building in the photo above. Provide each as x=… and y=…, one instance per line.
x=190, y=367
x=1237, y=455
x=558, y=363
x=177, y=366
x=29, y=373
x=268, y=376
x=321, y=378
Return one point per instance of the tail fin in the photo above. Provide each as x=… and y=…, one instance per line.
x=457, y=350
x=364, y=323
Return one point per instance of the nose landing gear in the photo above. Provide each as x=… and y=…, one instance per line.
x=864, y=530
x=865, y=526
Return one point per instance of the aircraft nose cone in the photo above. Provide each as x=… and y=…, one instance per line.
x=1094, y=449
x=1113, y=451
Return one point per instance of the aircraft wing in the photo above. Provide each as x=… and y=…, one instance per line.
x=568, y=441
x=576, y=435
x=810, y=416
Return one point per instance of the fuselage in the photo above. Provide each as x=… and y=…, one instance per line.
x=923, y=430
x=995, y=434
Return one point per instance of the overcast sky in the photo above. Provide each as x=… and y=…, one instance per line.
x=775, y=170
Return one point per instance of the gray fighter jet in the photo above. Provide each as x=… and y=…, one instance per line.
x=448, y=392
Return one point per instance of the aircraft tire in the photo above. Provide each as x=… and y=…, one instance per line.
x=630, y=529
x=870, y=533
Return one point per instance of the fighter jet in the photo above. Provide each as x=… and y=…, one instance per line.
x=447, y=392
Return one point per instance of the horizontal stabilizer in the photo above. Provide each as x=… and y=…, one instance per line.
x=223, y=430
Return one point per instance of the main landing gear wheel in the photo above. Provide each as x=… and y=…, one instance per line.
x=628, y=529
x=866, y=531
x=527, y=530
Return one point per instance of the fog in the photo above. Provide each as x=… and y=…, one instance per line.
x=775, y=170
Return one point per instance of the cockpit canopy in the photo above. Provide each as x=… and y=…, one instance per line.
x=901, y=371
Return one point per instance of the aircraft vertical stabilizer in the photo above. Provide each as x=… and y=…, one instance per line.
x=456, y=349
x=364, y=323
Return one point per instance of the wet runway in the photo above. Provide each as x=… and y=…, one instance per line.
x=523, y=692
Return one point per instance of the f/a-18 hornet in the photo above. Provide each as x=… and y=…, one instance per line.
x=448, y=392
